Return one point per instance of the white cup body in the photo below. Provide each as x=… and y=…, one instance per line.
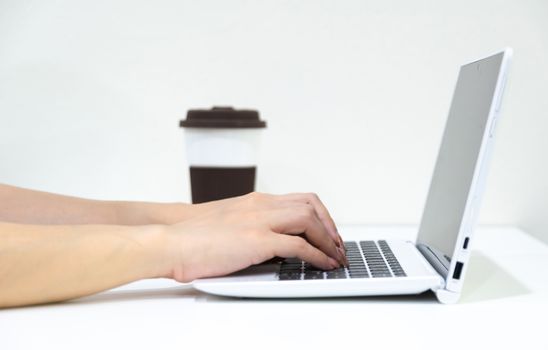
x=222, y=147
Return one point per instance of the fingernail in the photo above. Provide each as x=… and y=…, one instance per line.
x=338, y=243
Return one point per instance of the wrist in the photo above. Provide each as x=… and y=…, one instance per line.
x=177, y=252
x=154, y=251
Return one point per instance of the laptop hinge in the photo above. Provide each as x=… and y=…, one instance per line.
x=437, y=259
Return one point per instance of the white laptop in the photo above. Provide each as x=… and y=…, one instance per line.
x=439, y=258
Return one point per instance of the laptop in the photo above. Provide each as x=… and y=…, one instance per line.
x=439, y=257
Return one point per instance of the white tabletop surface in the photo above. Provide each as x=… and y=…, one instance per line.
x=504, y=306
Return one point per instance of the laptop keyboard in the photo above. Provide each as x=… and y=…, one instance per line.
x=366, y=259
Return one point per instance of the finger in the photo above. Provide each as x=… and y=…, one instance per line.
x=321, y=210
x=323, y=214
x=302, y=218
x=297, y=247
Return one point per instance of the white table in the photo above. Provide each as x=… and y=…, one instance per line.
x=504, y=305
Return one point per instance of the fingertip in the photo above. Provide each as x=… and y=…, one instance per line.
x=333, y=264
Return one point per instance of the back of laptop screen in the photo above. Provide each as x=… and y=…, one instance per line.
x=458, y=155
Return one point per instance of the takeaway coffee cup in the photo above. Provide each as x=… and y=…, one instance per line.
x=222, y=150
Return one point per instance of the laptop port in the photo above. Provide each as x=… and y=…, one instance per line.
x=458, y=270
x=465, y=244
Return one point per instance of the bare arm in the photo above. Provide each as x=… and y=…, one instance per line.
x=40, y=264
x=35, y=207
x=47, y=263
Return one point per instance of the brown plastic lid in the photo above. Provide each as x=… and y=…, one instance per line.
x=222, y=117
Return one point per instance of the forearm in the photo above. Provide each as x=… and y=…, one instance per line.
x=36, y=207
x=145, y=213
x=40, y=264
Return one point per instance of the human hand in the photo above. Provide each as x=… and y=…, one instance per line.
x=305, y=198
x=229, y=235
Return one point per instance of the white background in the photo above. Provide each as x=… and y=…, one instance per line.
x=355, y=94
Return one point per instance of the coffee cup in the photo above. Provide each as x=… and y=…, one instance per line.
x=222, y=147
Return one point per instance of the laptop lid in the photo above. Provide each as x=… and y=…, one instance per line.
x=458, y=181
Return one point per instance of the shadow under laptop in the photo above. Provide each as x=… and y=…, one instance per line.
x=426, y=298
x=486, y=280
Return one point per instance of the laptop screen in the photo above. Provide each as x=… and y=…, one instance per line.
x=458, y=155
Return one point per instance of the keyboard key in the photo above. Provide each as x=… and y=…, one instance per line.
x=296, y=270
x=336, y=274
x=284, y=276
x=359, y=275
x=313, y=275
x=309, y=267
x=380, y=275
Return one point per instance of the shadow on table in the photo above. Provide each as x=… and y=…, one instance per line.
x=183, y=291
x=485, y=280
x=424, y=298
